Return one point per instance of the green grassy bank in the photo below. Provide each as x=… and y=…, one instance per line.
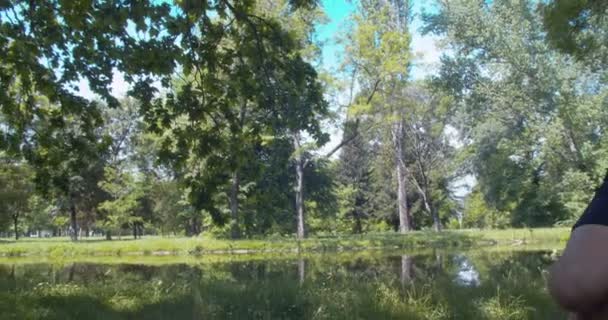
x=163, y=246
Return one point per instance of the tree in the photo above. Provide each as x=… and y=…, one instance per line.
x=125, y=194
x=477, y=214
x=67, y=154
x=268, y=200
x=429, y=152
x=378, y=50
x=15, y=191
x=242, y=72
x=60, y=223
x=354, y=177
x=383, y=205
x=128, y=168
x=245, y=82
x=46, y=47
x=39, y=217
x=532, y=119
x=572, y=27
x=313, y=106
x=168, y=207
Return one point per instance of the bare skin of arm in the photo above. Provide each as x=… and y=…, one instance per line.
x=578, y=281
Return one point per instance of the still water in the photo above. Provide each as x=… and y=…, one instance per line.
x=477, y=285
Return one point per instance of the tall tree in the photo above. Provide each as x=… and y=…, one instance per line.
x=126, y=179
x=378, y=50
x=429, y=152
x=123, y=203
x=354, y=178
x=304, y=106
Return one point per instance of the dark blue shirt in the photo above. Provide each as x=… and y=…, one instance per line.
x=597, y=211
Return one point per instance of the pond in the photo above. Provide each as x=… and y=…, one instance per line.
x=474, y=285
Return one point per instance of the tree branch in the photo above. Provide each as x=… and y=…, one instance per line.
x=356, y=127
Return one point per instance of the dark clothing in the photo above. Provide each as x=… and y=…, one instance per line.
x=597, y=211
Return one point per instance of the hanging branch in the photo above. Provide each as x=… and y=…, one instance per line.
x=355, y=133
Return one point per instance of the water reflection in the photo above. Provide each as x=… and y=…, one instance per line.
x=435, y=286
x=467, y=275
x=407, y=270
x=301, y=270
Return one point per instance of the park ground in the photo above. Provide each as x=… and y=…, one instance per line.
x=508, y=239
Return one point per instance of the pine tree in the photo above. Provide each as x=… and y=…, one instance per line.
x=354, y=177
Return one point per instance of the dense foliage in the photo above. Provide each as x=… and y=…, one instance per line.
x=224, y=126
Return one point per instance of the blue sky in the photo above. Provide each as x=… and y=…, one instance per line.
x=338, y=12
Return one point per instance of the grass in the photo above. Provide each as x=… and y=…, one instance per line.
x=166, y=246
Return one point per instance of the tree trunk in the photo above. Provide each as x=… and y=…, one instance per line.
x=197, y=227
x=108, y=235
x=428, y=206
x=235, y=233
x=73, y=222
x=135, y=231
x=436, y=221
x=16, y=225
x=405, y=219
x=71, y=272
x=299, y=189
x=358, y=228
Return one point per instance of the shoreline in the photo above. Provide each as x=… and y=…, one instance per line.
x=155, y=246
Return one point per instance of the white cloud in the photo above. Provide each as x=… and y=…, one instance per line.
x=427, y=53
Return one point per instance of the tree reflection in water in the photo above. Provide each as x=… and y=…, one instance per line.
x=332, y=286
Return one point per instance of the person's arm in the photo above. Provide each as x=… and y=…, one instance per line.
x=578, y=281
